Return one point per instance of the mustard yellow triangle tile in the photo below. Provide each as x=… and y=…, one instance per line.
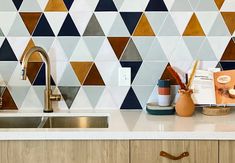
x=143, y=28
x=229, y=18
x=56, y=5
x=36, y=57
x=219, y=3
x=194, y=28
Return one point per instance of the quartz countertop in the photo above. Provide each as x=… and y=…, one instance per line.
x=129, y=124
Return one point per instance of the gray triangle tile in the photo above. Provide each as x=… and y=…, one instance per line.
x=143, y=44
x=181, y=5
x=206, y=5
x=118, y=28
x=155, y=53
x=30, y=6
x=69, y=78
x=94, y=93
x=68, y=44
x=18, y=28
x=94, y=44
x=7, y=5
x=93, y=28
x=219, y=27
x=19, y=93
x=69, y=94
x=206, y=53
x=1, y=33
x=193, y=4
x=131, y=53
x=44, y=42
x=169, y=28
x=193, y=44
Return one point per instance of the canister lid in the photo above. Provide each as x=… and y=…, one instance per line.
x=163, y=83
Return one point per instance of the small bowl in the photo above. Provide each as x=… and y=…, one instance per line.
x=232, y=93
x=223, y=79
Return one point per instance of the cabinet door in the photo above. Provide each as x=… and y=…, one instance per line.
x=149, y=151
x=226, y=151
x=64, y=151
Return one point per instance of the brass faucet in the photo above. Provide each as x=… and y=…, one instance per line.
x=48, y=95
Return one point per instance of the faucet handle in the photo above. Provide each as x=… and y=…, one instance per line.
x=55, y=97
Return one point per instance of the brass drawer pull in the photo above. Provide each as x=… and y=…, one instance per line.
x=169, y=156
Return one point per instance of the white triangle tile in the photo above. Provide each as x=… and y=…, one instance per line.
x=118, y=3
x=81, y=20
x=228, y=5
x=218, y=44
x=81, y=101
x=106, y=101
x=205, y=65
x=18, y=28
x=206, y=20
x=81, y=52
x=57, y=70
x=156, y=20
x=7, y=5
x=106, y=52
x=19, y=93
x=6, y=69
x=15, y=79
x=181, y=20
x=44, y=42
x=106, y=20
x=143, y=93
x=154, y=95
x=30, y=6
x=94, y=43
x=1, y=40
x=69, y=78
x=18, y=45
x=118, y=93
x=219, y=27
x=2, y=83
x=169, y=44
x=169, y=28
x=55, y=20
x=118, y=28
x=169, y=3
x=84, y=5
x=206, y=5
x=206, y=53
x=193, y=4
x=42, y=4
x=155, y=52
x=139, y=5
x=109, y=72
x=93, y=93
x=149, y=73
x=39, y=91
x=193, y=44
x=7, y=19
x=143, y=44
x=68, y=44
x=56, y=52
x=31, y=101
x=58, y=105
x=181, y=5
x=182, y=67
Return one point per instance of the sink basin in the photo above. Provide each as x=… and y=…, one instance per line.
x=20, y=122
x=77, y=122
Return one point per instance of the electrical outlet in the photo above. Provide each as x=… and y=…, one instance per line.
x=125, y=76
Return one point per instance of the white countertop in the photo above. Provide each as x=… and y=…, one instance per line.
x=130, y=124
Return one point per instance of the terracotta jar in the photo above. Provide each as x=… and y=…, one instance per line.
x=184, y=106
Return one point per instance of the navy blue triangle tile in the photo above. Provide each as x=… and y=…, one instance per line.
x=68, y=28
x=6, y=52
x=40, y=79
x=156, y=5
x=68, y=3
x=106, y=5
x=17, y=3
x=69, y=93
x=134, y=68
x=131, y=101
x=131, y=19
x=227, y=65
x=43, y=28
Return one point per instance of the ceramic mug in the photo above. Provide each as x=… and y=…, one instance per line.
x=164, y=94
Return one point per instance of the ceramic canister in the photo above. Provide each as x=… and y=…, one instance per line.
x=164, y=94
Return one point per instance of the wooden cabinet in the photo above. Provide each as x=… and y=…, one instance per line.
x=226, y=151
x=148, y=151
x=64, y=151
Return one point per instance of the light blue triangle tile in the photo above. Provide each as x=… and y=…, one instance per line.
x=19, y=93
x=169, y=28
x=181, y=5
x=69, y=78
x=219, y=27
x=206, y=53
x=143, y=93
x=39, y=91
x=1, y=33
x=193, y=3
x=94, y=44
x=6, y=69
x=149, y=73
x=94, y=93
x=7, y=5
x=30, y=6
x=206, y=5
x=143, y=44
x=18, y=28
x=118, y=28
x=68, y=44
x=7, y=19
x=156, y=20
x=193, y=43
x=106, y=20
x=181, y=53
x=118, y=3
x=155, y=52
x=44, y=42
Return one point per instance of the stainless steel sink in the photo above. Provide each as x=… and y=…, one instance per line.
x=77, y=122
x=55, y=122
x=20, y=122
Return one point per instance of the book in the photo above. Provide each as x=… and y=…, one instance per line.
x=214, y=87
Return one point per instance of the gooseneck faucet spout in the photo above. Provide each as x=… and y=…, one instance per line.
x=48, y=95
